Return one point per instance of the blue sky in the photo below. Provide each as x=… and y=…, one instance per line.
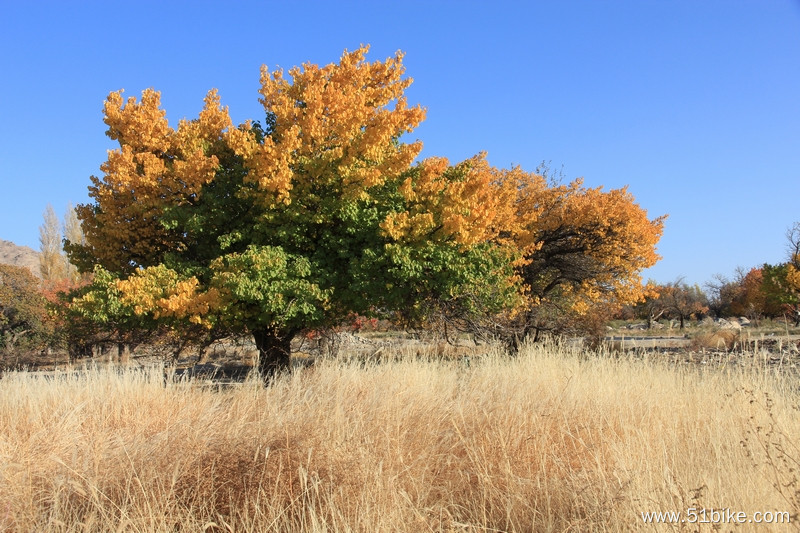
x=693, y=104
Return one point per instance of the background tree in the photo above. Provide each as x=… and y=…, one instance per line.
x=780, y=298
x=23, y=310
x=73, y=233
x=581, y=248
x=682, y=301
x=793, y=267
x=54, y=263
x=651, y=307
x=724, y=292
x=295, y=224
x=766, y=291
x=51, y=259
x=793, y=238
x=717, y=291
x=749, y=300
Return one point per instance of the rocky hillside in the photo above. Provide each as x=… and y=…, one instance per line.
x=11, y=254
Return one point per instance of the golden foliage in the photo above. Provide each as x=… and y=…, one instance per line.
x=588, y=243
x=464, y=203
x=793, y=273
x=155, y=167
x=335, y=125
x=332, y=144
x=160, y=291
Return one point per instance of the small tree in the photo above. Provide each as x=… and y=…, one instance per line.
x=52, y=264
x=73, y=233
x=750, y=299
x=682, y=300
x=651, y=307
x=793, y=267
x=23, y=309
x=779, y=295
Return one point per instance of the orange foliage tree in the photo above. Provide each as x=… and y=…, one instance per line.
x=750, y=301
x=680, y=300
x=583, y=250
x=276, y=228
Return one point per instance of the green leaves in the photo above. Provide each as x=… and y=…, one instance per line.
x=100, y=301
x=416, y=279
x=265, y=286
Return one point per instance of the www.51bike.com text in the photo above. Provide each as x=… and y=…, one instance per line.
x=694, y=515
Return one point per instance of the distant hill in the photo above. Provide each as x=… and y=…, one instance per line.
x=11, y=254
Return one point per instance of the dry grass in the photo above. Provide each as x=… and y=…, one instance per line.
x=717, y=339
x=553, y=440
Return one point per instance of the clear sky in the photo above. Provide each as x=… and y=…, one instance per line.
x=693, y=104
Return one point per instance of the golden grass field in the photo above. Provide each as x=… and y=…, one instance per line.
x=555, y=439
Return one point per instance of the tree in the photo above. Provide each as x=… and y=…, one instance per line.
x=779, y=296
x=793, y=274
x=583, y=249
x=651, y=307
x=793, y=267
x=51, y=261
x=682, y=300
x=276, y=228
x=750, y=299
x=73, y=233
x=54, y=265
x=726, y=295
x=23, y=310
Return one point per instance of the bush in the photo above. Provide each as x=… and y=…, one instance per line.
x=24, y=318
x=721, y=339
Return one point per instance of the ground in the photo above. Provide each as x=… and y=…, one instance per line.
x=767, y=343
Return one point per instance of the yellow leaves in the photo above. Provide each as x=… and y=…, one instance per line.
x=214, y=119
x=155, y=168
x=270, y=163
x=335, y=127
x=459, y=203
x=406, y=226
x=335, y=124
x=793, y=273
x=159, y=292
x=582, y=246
x=334, y=138
x=141, y=125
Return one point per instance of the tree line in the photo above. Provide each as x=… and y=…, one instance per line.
x=767, y=291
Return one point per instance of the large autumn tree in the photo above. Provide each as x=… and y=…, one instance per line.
x=275, y=227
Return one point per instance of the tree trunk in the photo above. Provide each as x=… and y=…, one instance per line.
x=123, y=352
x=518, y=338
x=274, y=351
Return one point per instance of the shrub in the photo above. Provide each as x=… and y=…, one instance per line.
x=721, y=339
